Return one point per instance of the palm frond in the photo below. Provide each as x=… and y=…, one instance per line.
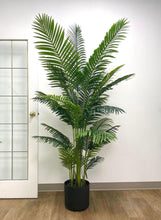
x=110, y=85
x=50, y=140
x=75, y=36
x=108, y=46
x=93, y=162
x=57, y=134
x=101, y=124
x=98, y=94
x=67, y=158
x=57, y=78
x=109, y=75
x=54, y=107
x=98, y=136
x=62, y=106
x=57, y=54
x=113, y=130
x=96, y=87
x=102, y=55
x=106, y=109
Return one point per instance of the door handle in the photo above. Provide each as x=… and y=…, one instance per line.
x=32, y=114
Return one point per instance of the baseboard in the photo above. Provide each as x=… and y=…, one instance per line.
x=105, y=186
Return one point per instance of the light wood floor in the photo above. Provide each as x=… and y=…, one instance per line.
x=104, y=205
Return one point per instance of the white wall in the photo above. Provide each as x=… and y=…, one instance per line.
x=136, y=156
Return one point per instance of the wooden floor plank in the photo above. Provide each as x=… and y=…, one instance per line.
x=104, y=205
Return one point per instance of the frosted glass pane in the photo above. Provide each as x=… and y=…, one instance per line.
x=19, y=165
x=5, y=165
x=5, y=82
x=20, y=54
x=5, y=137
x=20, y=82
x=5, y=110
x=20, y=137
x=19, y=110
x=5, y=54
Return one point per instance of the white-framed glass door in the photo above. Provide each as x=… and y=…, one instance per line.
x=18, y=152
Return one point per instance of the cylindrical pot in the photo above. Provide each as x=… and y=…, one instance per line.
x=76, y=198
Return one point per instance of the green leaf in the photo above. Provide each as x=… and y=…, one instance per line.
x=106, y=109
x=108, y=76
x=51, y=140
x=57, y=54
x=57, y=134
x=101, y=56
x=93, y=162
x=62, y=106
x=67, y=158
x=109, y=86
x=75, y=36
x=55, y=106
x=102, y=123
x=98, y=136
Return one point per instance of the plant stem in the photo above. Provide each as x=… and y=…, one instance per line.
x=85, y=161
x=78, y=163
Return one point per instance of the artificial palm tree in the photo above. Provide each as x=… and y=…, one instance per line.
x=84, y=86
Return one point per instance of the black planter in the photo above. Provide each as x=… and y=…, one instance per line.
x=76, y=198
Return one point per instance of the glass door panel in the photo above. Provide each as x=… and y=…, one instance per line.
x=5, y=165
x=5, y=137
x=5, y=110
x=19, y=165
x=19, y=110
x=19, y=54
x=5, y=82
x=19, y=82
x=5, y=54
x=20, y=140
